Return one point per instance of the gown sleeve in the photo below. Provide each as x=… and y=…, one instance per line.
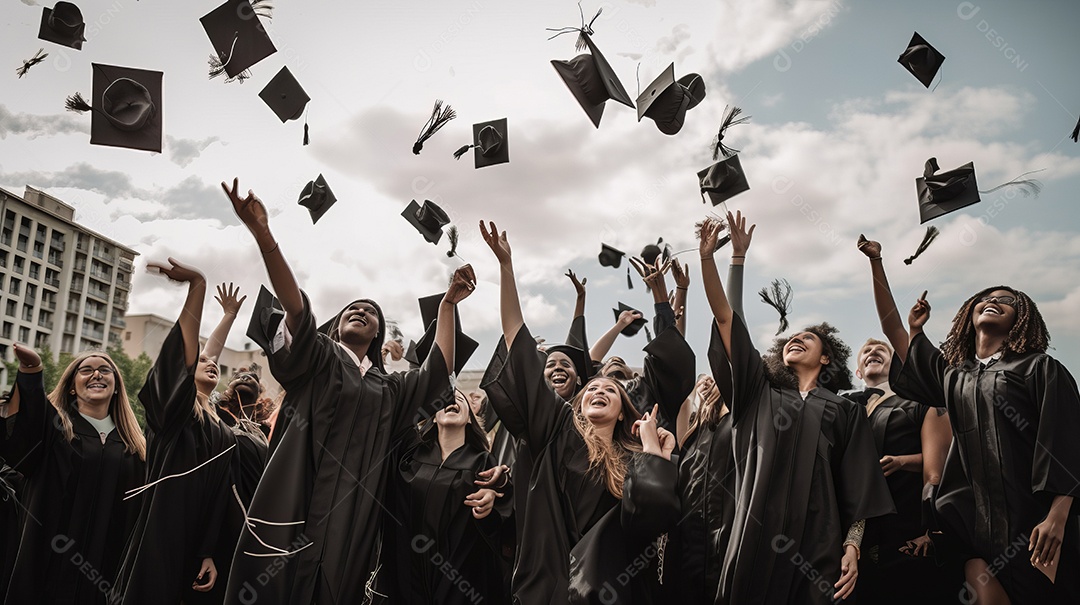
x=669, y=372
x=735, y=289
x=650, y=503
x=307, y=353
x=747, y=371
x=720, y=365
x=922, y=377
x=31, y=426
x=168, y=395
x=861, y=490
x=514, y=383
x=663, y=316
x=420, y=388
x=576, y=336
x=1056, y=463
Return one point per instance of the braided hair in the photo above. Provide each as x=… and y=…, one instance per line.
x=1027, y=335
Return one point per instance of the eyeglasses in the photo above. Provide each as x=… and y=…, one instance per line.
x=88, y=371
x=1005, y=300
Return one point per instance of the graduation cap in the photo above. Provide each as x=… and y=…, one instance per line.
x=942, y=193
x=63, y=24
x=267, y=312
x=125, y=106
x=635, y=326
x=317, y=198
x=428, y=219
x=490, y=142
x=723, y=180
x=650, y=252
x=592, y=81
x=667, y=100
x=610, y=257
x=921, y=59
x=578, y=357
x=285, y=96
x=238, y=38
x=464, y=346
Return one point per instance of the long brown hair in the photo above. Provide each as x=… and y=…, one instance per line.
x=709, y=410
x=119, y=407
x=1028, y=333
x=609, y=458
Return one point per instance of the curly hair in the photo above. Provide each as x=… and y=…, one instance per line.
x=835, y=375
x=1028, y=333
x=609, y=458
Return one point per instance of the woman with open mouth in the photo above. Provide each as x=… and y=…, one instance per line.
x=80, y=448
x=1011, y=475
x=584, y=474
x=808, y=474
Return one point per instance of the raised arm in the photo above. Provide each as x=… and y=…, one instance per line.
x=252, y=213
x=576, y=336
x=226, y=297
x=891, y=323
x=191, y=315
x=461, y=286
x=509, y=303
x=678, y=302
x=603, y=344
x=29, y=363
x=740, y=245
x=579, y=287
x=710, y=280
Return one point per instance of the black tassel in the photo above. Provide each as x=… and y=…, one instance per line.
x=780, y=300
x=931, y=235
x=77, y=103
x=583, y=32
x=729, y=120
x=1076, y=132
x=439, y=117
x=1028, y=187
x=38, y=57
x=263, y=8
x=217, y=69
x=462, y=151
x=452, y=234
x=648, y=334
x=307, y=139
x=629, y=282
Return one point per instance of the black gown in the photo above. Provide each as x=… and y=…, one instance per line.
x=566, y=501
x=1014, y=448
x=328, y=470
x=74, y=503
x=429, y=527
x=11, y=518
x=180, y=517
x=805, y=471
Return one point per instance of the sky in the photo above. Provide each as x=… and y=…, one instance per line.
x=838, y=133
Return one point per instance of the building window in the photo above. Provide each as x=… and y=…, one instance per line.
x=18, y=265
x=13, y=287
x=9, y=308
x=3, y=258
x=24, y=334
x=8, y=327
x=35, y=271
x=28, y=312
x=20, y=244
x=127, y=335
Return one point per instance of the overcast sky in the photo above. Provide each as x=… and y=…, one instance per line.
x=838, y=134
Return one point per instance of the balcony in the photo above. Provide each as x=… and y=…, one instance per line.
x=94, y=314
x=81, y=245
x=5, y=239
x=77, y=288
x=97, y=335
x=49, y=304
x=57, y=244
x=125, y=265
x=105, y=256
x=98, y=293
x=45, y=323
x=118, y=322
x=123, y=284
x=54, y=259
x=101, y=276
x=80, y=266
x=120, y=303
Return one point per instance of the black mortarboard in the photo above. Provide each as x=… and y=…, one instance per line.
x=265, y=318
x=490, y=139
x=592, y=81
x=285, y=96
x=578, y=357
x=667, y=100
x=63, y=24
x=238, y=36
x=651, y=251
x=125, y=107
x=634, y=327
x=317, y=198
x=610, y=257
x=942, y=193
x=428, y=219
x=723, y=180
x=921, y=59
x=464, y=346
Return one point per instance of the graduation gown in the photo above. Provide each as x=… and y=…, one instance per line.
x=805, y=471
x=429, y=526
x=1014, y=448
x=11, y=519
x=327, y=473
x=73, y=497
x=180, y=517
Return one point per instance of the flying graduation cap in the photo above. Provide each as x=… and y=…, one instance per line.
x=667, y=100
x=265, y=318
x=317, y=198
x=943, y=192
x=589, y=77
x=723, y=180
x=285, y=96
x=490, y=142
x=238, y=37
x=635, y=326
x=610, y=257
x=63, y=24
x=125, y=107
x=428, y=219
x=464, y=346
x=921, y=59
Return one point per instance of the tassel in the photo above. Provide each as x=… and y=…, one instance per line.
x=648, y=334
x=439, y=118
x=1028, y=187
x=452, y=234
x=720, y=241
x=307, y=139
x=629, y=282
x=263, y=8
x=217, y=68
x=77, y=103
x=583, y=32
x=729, y=120
x=780, y=300
x=462, y=151
x=38, y=57
x=1076, y=132
x=931, y=235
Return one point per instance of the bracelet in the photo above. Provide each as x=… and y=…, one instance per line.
x=680, y=288
x=738, y=256
x=271, y=249
x=875, y=258
x=36, y=365
x=858, y=552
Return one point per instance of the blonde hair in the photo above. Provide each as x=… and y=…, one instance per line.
x=119, y=407
x=609, y=458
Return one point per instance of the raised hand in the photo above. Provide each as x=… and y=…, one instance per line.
x=497, y=242
x=462, y=285
x=681, y=275
x=226, y=297
x=628, y=317
x=920, y=312
x=28, y=358
x=708, y=236
x=393, y=350
x=250, y=210
x=870, y=248
x=740, y=237
x=652, y=442
x=176, y=271
x=579, y=285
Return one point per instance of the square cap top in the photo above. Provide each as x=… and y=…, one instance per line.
x=634, y=327
x=126, y=108
x=723, y=180
x=238, y=37
x=921, y=59
x=317, y=198
x=943, y=192
x=285, y=96
x=63, y=24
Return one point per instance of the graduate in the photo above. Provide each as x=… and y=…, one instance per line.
x=1005, y=505
x=189, y=457
x=582, y=466
x=315, y=518
x=80, y=449
x=806, y=476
